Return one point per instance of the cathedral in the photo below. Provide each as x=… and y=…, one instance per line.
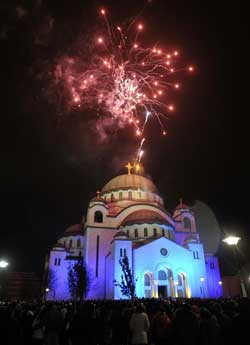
x=128, y=218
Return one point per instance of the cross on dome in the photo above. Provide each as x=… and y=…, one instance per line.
x=129, y=167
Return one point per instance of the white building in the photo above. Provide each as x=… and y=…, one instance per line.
x=128, y=218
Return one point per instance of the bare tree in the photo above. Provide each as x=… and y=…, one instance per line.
x=127, y=283
x=78, y=280
x=51, y=281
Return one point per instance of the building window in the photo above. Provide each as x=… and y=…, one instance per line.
x=130, y=195
x=80, y=253
x=124, y=252
x=179, y=280
x=136, y=232
x=146, y=280
x=162, y=275
x=145, y=232
x=212, y=266
x=163, y=232
x=70, y=244
x=155, y=232
x=59, y=262
x=112, y=197
x=120, y=195
x=55, y=262
x=78, y=243
x=187, y=223
x=128, y=233
x=120, y=252
x=139, y=194
x=98, y=217
x=196, y=254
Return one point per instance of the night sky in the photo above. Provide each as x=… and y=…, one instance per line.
x=52, y=162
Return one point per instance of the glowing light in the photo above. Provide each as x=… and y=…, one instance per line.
x=138, y=132
x=160, y=92
x=177, y=86
x=3, y=264
x=164, y=133
x=202, y=279
x=171, y=70
x=171, y=107
x=191, y=68
x=176, y=53
x=118, y=28
x=135, y=46
x=100, y=40
x=167, y=62
x=76, y=99
x=220, y=282
x=140, y=27
x=159, y=51
x=168, y=56
x=231, y=240
x=103, y=12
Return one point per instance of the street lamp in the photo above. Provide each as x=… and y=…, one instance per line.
x=202, y=279
x=3, y=264
x=233, y=241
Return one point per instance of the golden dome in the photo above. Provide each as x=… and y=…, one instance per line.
x=130, y=181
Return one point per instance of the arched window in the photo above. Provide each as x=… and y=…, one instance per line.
x=80, y=253
x=155, y=232
x=78, y=243
x=112, y=197
x=98, y=217
x=130, y=195
x=70, y=243
x=146, y=280
x=187, y=223
x=136, y=232
x=128, y=233
x=162, y=275
x=163, y=232
x=120, y=195
x=139, y=194
x=145, y=232
x=179, y=280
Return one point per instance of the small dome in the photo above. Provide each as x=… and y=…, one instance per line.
x=120, y=234
x=73, y=230
x=144, y=216
x=130, y=181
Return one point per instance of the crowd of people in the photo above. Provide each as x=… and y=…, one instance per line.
x=143, y=321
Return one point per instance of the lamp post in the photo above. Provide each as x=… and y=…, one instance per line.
x=202, y=279
x=3, y=265
x=233, y=241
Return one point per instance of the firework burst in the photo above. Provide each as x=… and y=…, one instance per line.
x=129, y=82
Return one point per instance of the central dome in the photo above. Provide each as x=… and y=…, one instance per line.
x=130, y=181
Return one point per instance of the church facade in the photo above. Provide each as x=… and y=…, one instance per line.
x=128, y=218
